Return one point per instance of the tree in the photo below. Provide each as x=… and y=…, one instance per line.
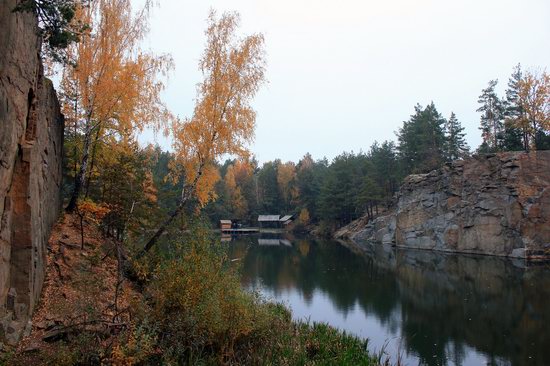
x=456, y=146
x=268, y=187
x=515, y=137
x=422, y=140
x=303, y=217
x=114, y=89
x=340, y=188
x=244, y=171
x=369, y=196
x=492, y=114
x=286, y=178
x=58, y=26
x=534, y=99
x=309, y=177
x=223, y=120
x=128, y=187
x=237, y=202
x=386, y=170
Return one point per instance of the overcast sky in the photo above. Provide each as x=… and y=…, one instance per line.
x=342, y=74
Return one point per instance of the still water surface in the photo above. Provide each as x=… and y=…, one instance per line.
x=430, y=308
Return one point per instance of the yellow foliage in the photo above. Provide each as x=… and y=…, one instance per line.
x=148, y=187
x=304, y=216
x=223, y=121
x=534, y=98
x=286, y=174
x=114, y=83
x=236, y=198
x=204, y=191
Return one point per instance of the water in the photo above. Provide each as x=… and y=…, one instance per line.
x=429, y=308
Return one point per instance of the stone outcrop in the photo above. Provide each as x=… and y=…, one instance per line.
x=31, y=142
x=496, y=204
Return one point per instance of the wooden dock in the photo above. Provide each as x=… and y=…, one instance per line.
x=247, y=230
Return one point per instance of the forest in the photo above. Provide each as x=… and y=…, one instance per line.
x=316, y=191
x=333, y=193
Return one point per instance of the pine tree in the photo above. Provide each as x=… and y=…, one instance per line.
x=386, y=168
x=515, y=138
x=492, y=115
x=456, y=146
x=369, y=196
x=422, y=140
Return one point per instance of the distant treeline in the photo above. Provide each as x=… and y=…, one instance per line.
x=333, y=193
x=353, y=184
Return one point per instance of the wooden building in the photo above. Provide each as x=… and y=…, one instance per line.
x=225, y=224
x=269, y=221
x=286, y=220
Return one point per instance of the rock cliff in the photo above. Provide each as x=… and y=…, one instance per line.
x=31, y=142
x=497, y=204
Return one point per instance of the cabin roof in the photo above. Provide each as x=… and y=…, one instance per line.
x=286, y=218
x=267, y=218
x=225, y=221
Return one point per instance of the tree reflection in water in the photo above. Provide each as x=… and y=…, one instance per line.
x=443, y=307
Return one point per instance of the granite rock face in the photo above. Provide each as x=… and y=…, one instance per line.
x=496, y=204
x=31, y=142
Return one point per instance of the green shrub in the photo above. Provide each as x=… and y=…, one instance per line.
x=203, y=316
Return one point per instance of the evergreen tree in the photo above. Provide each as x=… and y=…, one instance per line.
x=386, y=168
x=456, y=146
x=514, y=138
x=492, y=115
x=57, y=23
x=341, y=187
x=268, y=188
x=309, y=177
x=369, y=196
x=422, y=140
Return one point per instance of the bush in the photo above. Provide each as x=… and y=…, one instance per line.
x=200, y=308
x=203, y=316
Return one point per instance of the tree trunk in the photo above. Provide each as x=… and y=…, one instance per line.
x=79, y=180
x=162, y=229
x=88, y=181
x=186, y=194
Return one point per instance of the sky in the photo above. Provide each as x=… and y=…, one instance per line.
x=342, y=74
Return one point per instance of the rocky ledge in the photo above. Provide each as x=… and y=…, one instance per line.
x=494, y=204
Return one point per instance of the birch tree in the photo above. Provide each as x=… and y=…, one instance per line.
x=113, y=88
x=223, y=120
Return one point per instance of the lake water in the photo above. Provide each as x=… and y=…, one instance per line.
x=430, y=308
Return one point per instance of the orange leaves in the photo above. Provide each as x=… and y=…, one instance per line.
x=115, y=82
x=93, y=211
x=113, y=89
x=534, y=97
x=534, y=100
x=236, y=198
x=286, y=174
x=223, y=121
x=148, y=187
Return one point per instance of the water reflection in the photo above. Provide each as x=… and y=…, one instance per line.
x=433, y=308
